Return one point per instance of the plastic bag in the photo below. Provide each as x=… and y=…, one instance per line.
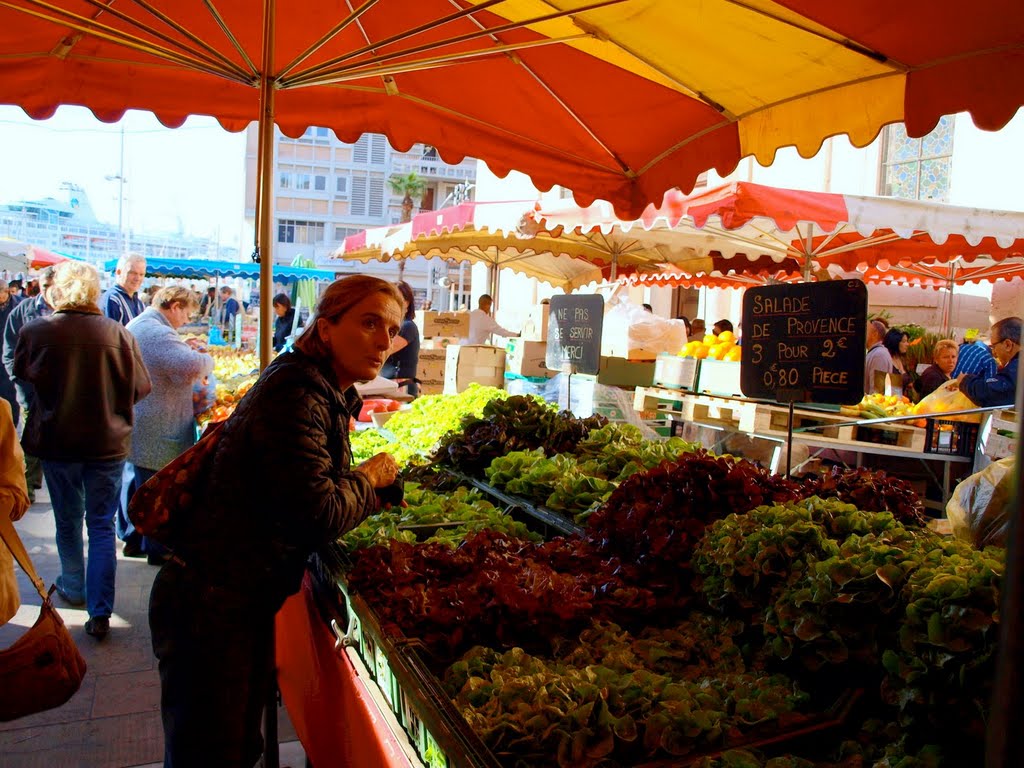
x=980, y=508
x=629, y=326
x=204, y=394
x=944, y=400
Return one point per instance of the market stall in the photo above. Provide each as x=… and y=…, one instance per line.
x=487, y=657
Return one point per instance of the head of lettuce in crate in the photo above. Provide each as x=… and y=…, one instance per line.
x=276, y=485
x=1000, y=389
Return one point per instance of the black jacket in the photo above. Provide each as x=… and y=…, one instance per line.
x=88, y=374
x=280, y=485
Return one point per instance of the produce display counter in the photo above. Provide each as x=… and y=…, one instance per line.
x=819, y=429
x=420, y=720
x=551, y=519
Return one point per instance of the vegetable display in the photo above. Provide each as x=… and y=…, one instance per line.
x=417, y=431
x=618, y=696
x=657, y=518
x=520, y=423
x=496, y=591
x=426, y=509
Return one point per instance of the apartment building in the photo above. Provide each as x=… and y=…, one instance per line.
x=326, y=190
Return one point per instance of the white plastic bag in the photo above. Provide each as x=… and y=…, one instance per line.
x=980, y=508
x=629, y=326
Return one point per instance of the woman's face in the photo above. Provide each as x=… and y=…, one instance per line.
x=904, y=344
x=360, y=339
x=946, y=359
x=280, y=310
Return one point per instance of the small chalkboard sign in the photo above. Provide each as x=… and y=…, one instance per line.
x=804, y=342
x=574, y=333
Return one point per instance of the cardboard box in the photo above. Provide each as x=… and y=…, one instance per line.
x=450, y=324
x=536, y=326
x=431, y=386
x=526, y=358
x=675, y=372
x=619, y=372
x=438, y=342
x=430, y=371
x=719, y=377
x=466, y=364
x=432, y=357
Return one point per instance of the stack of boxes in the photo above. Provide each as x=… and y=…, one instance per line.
x=466, y=364
x=438, y=331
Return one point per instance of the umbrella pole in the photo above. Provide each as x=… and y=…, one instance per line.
x=808, y=251
x=266, y=154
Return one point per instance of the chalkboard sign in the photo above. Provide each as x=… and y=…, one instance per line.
x=804, y=342
x=574, y=333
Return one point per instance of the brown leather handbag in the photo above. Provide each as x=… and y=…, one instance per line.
x=43, y=668
x=154, y=506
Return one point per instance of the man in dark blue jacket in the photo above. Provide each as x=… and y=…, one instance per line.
x=1000, y=389
x=27, y=311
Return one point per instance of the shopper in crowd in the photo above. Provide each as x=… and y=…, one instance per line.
x=20, y=316
x=699, y=329
x=228, y=308
x=689, y=326
x=16, y=289
x=721, y=326
x=164, y=421
x=976, y=358
x=939, y=372
x=482, y=325
x=897, y=341
x=7, y=304
x=31, y=288
x=1000, y=389
x=13, y=504
x=648, y=308
x=208, y=302
x=878, y=358
x=122, y=302
x=285, y=318
x=281, y=486
x=88, y=374
x=404, y=359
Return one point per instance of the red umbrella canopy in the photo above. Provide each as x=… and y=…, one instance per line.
x=818, y=229
x=614, y=99
x=38, y=258
x=947, y=276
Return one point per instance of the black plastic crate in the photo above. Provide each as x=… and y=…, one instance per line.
x=953, y=438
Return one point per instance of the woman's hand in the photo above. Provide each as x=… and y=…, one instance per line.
x=381, y=470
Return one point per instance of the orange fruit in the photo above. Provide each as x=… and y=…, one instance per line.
x=727, y=336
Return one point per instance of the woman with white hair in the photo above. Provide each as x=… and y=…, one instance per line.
x=88, y=374
x=164, y=422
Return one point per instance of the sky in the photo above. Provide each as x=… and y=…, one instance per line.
x=189, y=179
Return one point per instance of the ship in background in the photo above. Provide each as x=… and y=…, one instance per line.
x=69, y=226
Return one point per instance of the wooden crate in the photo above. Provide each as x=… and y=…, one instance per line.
x=772, y=420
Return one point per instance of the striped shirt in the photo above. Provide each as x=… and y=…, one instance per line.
x=975, y=358
x=118, y=305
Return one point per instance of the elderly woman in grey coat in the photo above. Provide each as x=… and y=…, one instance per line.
x=164, y=422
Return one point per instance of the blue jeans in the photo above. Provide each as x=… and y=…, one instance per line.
x=88, y=490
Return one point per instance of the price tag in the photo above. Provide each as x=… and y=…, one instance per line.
x=575, y=324
x=804, y=342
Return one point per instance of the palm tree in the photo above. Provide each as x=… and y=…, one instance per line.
x=409, y=186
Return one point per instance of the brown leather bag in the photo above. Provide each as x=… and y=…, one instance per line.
x=154, y=507
x=43, y=668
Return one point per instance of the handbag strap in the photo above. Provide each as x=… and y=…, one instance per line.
x=14, y=543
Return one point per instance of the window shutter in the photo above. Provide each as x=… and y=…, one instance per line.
x=360, y=149
x=376, y=197
x=357, y=200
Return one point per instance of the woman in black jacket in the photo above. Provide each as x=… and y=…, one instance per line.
x=283, y=324
x=280, y=487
